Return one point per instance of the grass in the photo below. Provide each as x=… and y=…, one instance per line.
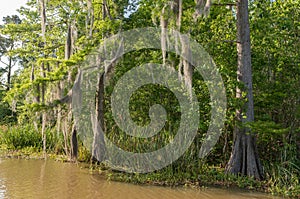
x=26, y=137
x=283, y=179
x=281, y=184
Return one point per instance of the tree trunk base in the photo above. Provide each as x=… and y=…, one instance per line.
x=244, y=158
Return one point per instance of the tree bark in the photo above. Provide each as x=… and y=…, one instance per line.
x=187, y=67
x=74, y=144
x=98, y=148
x=164, y=34
x=9, y=73
x=244, y=158
x=185, y=49
x=90, y=18
x=73, y=138
x=98, y=145
x=43, y=74
x=36, y=98
x=43, y=17
x=202, y=7
x=58, y=109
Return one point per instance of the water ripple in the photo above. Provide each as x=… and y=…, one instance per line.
x=49, y=179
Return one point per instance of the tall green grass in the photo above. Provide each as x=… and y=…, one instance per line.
x=284, y=178
x=19, y=137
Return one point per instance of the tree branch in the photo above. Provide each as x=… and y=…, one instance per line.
x=224, y=4
x=4, y=63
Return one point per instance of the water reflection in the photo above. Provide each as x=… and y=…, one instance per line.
x=49, y=179
x=2, y=189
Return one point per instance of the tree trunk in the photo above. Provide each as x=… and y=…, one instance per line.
x=90, y=18
x=244, y=158
x=164, y=34
x=98, y=148
x=43, y=74
x=59, y=109
x=44, y=114
x=202, y=7
x=187, y=67
x=74, y=144
x=43, y=17
x=68, y=47
x=73, y=138
x=9, y=74
x=36, y=98
x=185, y=49
x=44, y=138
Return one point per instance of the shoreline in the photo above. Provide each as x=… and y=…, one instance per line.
x=139, y=179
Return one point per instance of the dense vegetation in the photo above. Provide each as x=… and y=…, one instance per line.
x=50, y=39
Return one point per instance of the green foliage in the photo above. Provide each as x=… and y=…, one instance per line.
x=20, y=137
x=283, y=178
x=275, y=59
x=6, y=114
x=202, y=176
x=84, y=154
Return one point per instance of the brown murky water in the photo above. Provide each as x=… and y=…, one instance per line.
x=50, y=179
